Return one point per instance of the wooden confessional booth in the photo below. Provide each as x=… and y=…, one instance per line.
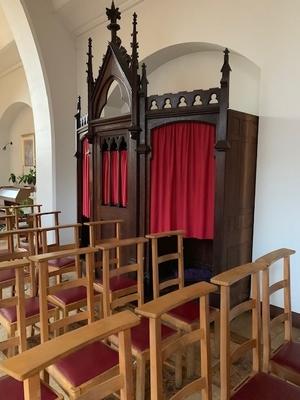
x=115, y=161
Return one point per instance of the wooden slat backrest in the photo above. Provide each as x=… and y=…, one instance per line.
x=27, y=366
x=225, y=280
x=39, y=223
x=41, y=262
x=8, y=221
x=154, y=310
x=95, y=234
x=12, y=239
x=283, y=257
x=108, y=247
x=18, y=300
x=156, y=261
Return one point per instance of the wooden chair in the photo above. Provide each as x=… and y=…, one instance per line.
x=186, y=316
x=80, y=372
x=116, y=286
x=11, y=251
x=95, y=227
x=154, y=310
x=117, y=290
x=63, y=265
x=258, y=385
x=284, y=361
x=10, y=387
x=69, y=295
x=26, y=367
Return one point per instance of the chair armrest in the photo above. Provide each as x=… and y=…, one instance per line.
x=15, y=264
x=163, y=304
x=29, y=363
x=275, y=255
x=103, y=222
x=19, y=231
x=55, y=227
x=121, y=243
x=233, y=275
x=44, y=213
x=63, y=253
x=164, y=234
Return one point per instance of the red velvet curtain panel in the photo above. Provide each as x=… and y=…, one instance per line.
x=123, y=174
x=183, y=179
x=114, y=177
x=106, y=177
x=85, y=178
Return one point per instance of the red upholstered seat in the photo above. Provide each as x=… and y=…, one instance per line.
x=68, y=296
x=62, y=262
x=140, y=334
x=267, y=387
x=7, y=275
x=187, y=312
x=32, y=307
x=87, y=363
x=11, y=389
x=289, y=356
x=119, y=282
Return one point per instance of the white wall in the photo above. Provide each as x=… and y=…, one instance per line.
x=267, y=33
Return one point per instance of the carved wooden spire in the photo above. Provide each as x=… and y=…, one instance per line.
x=144, y=80
x=225, y=69
x=90, y=77
x=113, y=14
x=134, y=44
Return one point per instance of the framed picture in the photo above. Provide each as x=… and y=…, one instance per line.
x=28, y=150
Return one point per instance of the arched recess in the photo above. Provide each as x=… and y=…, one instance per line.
x=22, y=33
x=15, y=121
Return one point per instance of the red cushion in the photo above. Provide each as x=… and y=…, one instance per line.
x=140, y=334
x=119, y=282
x=289, y=356
x=72, y=295
x=32, y=307
x=11, y=389
x=267, y=387
x=7, y=275
x=87, y=363
x=62, y=262
x=187, y=312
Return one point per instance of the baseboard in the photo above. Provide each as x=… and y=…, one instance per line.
x=278, y=310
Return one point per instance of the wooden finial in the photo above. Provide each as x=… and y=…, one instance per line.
x=144, y=80
x=134, y=43
x=90, y=77
x=225, y=69
x=113, y=14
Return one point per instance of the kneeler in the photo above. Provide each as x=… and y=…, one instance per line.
x=257, y=385
x=10, y=386
x=25, y=368
x=80, y=372
x=159, y=351
x=285, y=360
x=186, y=316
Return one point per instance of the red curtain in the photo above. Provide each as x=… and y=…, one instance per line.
x=85, y=179
x=105, y=177
x=183, y=179
x=123, y=174
x=114, y=177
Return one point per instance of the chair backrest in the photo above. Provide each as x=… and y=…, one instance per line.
x=280, y=256
x=157, y=260
x=107, y=273
x=154, y=310
x=7, y=222
x=18, y=300
x=45, y=290
x=225, y=280
x=96, y=235
x=11, y=250
x=27, y=366
x=48, y=245
x=43, y=219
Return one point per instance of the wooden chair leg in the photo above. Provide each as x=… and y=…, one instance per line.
x=190, y=361
x=178, y=368
x=217, y=335
x=140, y=378
x=11, y=333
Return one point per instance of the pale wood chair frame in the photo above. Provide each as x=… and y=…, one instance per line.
x=154, y=310
x=112, y=300
x=225, y=280
x=27, y=366
x=283, y=255
x=214, y=315
x=37, y=223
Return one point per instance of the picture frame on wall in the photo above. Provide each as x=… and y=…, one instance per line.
x=28, y=151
